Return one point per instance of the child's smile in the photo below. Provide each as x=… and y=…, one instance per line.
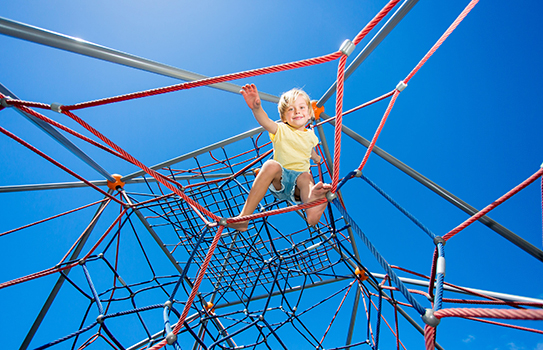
x=297, y=114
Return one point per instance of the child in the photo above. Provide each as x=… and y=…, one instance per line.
x=287, y=175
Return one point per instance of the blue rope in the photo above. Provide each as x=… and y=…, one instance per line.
x=67, y=337
x=420, y=309
x=399, y=207
x=93, y=289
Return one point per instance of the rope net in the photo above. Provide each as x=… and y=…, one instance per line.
x=281, y=284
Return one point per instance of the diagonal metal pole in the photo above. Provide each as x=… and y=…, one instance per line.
x=57, y=136
x=76, y=45
x=61, y=279
x=459, y=203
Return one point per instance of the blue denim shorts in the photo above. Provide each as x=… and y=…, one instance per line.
x=288, y=185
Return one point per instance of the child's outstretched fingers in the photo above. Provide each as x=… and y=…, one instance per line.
x=250, y=94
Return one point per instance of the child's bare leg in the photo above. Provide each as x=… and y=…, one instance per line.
x=269, y=173
x=309, y=192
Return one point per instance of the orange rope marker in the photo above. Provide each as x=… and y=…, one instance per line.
x=117, y=183
x=360, y=274
x=317, y=111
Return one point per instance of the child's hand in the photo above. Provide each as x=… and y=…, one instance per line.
x=250, y=94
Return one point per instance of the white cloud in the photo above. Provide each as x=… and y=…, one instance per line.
x=471, y=338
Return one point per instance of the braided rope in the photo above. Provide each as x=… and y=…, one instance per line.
x=494, y=204
x=429, y=337
x=339, y=118
x=207, y=81
x=442, y=39
x=378, y=131
x=195, y=287
x=196, y=206
x=516, y=314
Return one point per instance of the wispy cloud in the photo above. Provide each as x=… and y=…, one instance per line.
x=469, y=339
x=539, y=346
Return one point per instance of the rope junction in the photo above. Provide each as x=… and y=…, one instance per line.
x=236, y=290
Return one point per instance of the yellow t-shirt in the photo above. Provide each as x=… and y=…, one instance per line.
x=292, y=148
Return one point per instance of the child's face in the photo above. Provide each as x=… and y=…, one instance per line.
x=297, y=114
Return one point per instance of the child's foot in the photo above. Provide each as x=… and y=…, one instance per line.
x=318, y=191
x=240, y=225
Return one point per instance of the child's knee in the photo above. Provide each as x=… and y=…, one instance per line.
x=271, y=166
x=304, y=178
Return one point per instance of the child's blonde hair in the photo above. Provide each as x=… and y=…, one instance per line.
x=288, y=98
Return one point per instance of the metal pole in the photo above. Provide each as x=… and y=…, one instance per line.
x=75, y=184
x=61, y=279
x=493, y=225
x=57, y=136
x=64, y=42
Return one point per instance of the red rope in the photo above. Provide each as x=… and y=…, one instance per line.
x=207, y=81
x=429, y=337
x=375, y=21
x=522, y=314
x=159, y=177
x=195, y=288
x=493, y=205
x=378, y=131
x=442, y=39
x=505, y=325
x=51, y=218
x=45, y=156
x=339, y=118
x=52, y=270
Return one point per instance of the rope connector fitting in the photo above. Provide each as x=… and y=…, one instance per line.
x=439, y=239
x=171, y=338
x=168, y=304
x=100, y=319
x=223, y=222
x=357, y=173
x=4, y=101
x=118, y=183
x=347, y=47
x=330, y=196
x=401, y=86
x=430, y=319
x=317, y=110
x=56, y=107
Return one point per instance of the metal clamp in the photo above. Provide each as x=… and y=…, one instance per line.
x=56, y=107
x=430, y=319
x=401, y=86
x=330, y=196
x=439, y=239
x=4, y=101
x=347, y=47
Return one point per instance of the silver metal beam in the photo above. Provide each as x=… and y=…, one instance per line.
x=57, y=136
x=76, y=184
x=61, y=279
x=76, y=45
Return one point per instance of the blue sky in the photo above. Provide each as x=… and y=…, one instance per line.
x=469, y=120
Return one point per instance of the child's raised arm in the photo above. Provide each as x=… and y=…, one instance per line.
x=250, y=94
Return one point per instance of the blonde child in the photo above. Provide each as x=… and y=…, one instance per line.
x=287, y=176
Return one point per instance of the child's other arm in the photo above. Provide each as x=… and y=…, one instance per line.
x=315, y=156
x=250, y=94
